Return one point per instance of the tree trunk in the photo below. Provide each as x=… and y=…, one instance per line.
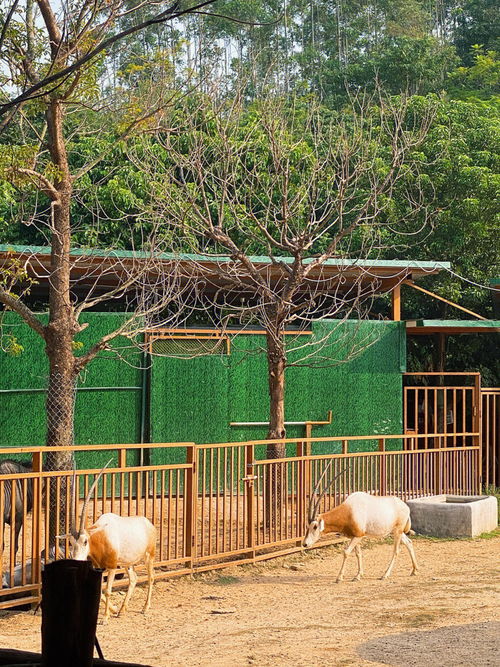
x=60, y=431
x=274, y=483
x=276, y=375
x=62, y=325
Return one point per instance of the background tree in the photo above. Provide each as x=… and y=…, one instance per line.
x=52, y=57
x=303, y=187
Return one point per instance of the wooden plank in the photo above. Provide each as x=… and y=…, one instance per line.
x=396, y=303
x=441, y=298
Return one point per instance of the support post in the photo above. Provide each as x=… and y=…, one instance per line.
x=382, y=468
x=396, y=303
x=307, y=451
x=303, y=483
x=36, y=573
x=477, y=425
x=190, y=504
x=71, y=592
x=249, y=490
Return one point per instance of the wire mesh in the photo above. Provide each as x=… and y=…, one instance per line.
x=188, y=347
x=57, y=490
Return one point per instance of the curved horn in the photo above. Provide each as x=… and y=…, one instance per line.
x=89, y=494
x=72, y=515
x=313, y=506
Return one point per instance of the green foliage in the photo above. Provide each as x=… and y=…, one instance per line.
x=481, y=80
x=462, y=164
x=446, y=54
x=15, y=281
x=10, y=345
x=476, y=23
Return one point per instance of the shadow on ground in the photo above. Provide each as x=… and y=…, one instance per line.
x=452, y=646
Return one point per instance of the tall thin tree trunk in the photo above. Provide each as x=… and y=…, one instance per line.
x=276, y=450
x=276, y=374
x=62, y=325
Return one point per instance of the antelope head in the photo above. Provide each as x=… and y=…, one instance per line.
x=79, y=539
x=315, y=523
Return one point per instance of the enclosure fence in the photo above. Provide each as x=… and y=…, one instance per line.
x=442, y=406
x=491, y=436
x=223, y=503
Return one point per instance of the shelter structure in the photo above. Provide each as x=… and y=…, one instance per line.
x=181, y=413
x=202, y=383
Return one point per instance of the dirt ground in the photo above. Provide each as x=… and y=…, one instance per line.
x=290, y=611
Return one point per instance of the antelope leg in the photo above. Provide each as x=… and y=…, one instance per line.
x=408, y=544
x=347, y=551
x=132, y=580
x=397, y=542
x=113, y=609
x=151, y=573
x=360, y=563
x=109, y=586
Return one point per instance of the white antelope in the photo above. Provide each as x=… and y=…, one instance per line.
x=114, y=541
x=362, y=515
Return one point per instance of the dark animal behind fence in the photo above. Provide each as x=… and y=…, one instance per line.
x=9, y=467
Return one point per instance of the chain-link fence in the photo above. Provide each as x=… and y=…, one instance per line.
x=58, y=491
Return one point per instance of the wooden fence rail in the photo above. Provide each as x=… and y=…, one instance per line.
x=225, y=502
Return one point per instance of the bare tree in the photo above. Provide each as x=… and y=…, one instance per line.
x=45, y=43
x=309, y=190
x=77, y=33
x=51, y=59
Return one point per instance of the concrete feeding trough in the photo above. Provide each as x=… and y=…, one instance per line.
x=453, y=516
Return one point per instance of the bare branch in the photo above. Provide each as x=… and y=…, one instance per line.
x=12, y=302
x=173, y=12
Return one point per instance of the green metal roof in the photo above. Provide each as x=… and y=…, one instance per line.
x=424, y=266
x=452, y=326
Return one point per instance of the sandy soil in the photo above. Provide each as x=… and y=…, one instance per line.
x=290, y=611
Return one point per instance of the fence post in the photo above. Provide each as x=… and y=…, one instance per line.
x=382, y=467
x=249, y=490
x=477, y=427
x=191, y=503
x=122, y=464
x=303, y=482
x=36, y=570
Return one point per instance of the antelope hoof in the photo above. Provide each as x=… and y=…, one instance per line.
x=340, y=580
x=357, y=577
x=104, y=621
x=413, y=573
x=384, y=576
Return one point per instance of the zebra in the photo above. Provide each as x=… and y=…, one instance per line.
x=10, y=467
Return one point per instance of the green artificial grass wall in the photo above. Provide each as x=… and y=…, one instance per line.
x=196, y=399
x=100, y=416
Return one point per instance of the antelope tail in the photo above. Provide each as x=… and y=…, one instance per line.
x=407, y=529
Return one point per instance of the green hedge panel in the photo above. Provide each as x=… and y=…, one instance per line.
x=196, y=399
x=101, y=417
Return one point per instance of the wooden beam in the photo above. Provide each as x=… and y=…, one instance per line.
x=440, y=298
x=396, y=303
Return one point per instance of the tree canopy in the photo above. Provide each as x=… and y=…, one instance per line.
x=442, y=55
